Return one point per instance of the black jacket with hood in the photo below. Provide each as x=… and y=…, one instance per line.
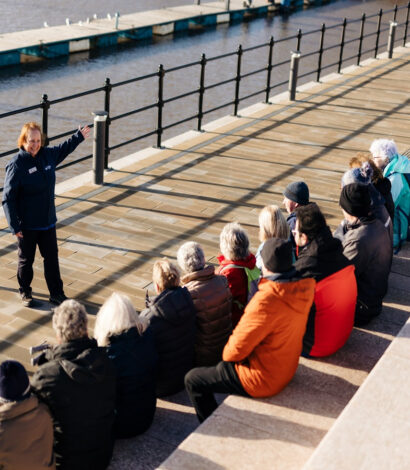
x=171, y=315
x=77, y=382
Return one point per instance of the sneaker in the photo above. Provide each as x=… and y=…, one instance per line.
x=57, y=299
x=26, y=298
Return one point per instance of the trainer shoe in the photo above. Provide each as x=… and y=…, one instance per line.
x=26, y=298
x=57, y=299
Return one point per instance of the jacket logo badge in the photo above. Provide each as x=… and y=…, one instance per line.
x=48, y=167
x=32, y=170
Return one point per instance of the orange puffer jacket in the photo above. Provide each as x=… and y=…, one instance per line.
x=267, y=342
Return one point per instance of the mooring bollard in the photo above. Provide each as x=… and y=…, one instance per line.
x=293, y=74
x=100, y=120
x=392, y=34
x=117, y=19
x=198, y=2
x=227, y=5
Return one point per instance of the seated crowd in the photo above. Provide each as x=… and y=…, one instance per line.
x=239, y=328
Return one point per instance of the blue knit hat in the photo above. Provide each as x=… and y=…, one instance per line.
x=297, y=192
x=14, y=382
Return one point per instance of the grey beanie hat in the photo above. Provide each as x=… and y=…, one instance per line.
x=297, y=192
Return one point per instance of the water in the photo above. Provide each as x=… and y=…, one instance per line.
x=24, y=85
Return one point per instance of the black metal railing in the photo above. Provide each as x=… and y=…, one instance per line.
x=266, y=85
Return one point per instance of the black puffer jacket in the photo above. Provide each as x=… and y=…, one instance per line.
x=171, y=315
x=78, y=384
x=383, y=185
x=367, y=244
x=135, y=360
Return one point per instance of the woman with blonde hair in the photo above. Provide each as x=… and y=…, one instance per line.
x=130, y=345
x=272, y=224
x=171, y=315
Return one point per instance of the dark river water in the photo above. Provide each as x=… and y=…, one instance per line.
x=23, y=86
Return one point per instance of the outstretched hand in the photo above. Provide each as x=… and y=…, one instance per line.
x=85, y=131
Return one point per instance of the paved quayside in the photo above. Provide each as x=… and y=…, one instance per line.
x=154, y=200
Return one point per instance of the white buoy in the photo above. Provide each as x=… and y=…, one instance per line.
x=67, y=21
x=95, y=16
x=45, y=24
x=108, y=16
x=80, y=23
x=88, y=21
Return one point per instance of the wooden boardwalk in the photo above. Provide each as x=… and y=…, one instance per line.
x=110, y=236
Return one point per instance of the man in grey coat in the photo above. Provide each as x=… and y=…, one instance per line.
x=367, y=244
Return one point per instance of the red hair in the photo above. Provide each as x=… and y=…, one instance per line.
x=28, y=126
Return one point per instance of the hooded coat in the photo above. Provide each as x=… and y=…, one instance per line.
x=135, y=360
x=267, y=342
x=78, y=384
x=238, y=282
x=26, y=436
x=213, y=301
x=331, y=316
x=171, y=315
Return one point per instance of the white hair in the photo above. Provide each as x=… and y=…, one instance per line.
x=384, y=148
x=116, y=315
x=234, y=242
x=70, y=320
x=191, y=257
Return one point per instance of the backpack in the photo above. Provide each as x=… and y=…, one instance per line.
x=252, y=275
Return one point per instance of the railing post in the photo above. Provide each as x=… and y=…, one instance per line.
x=395, y=13
x=359, y=53
x=201, y=92
x=269, y=69
x=198, y=2
x=45, y=105
x=319, y=65
x=299, y=39
x=392, y=34
x=100, y=119
x=107, y=94
x=293, y=74
x=160, y=103
x=237, y=80
x=379, y=24
x=227, y=5
x=406, y=25
x=342, y=45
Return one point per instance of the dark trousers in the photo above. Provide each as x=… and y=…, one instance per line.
x=47, y=244
x=202, y=382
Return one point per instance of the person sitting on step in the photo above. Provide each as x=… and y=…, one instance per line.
x=130, y=345
x=213, y=302
x=171, y=315
x=262, y=354
x=321, y=257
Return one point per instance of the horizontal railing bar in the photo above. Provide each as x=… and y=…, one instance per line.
x=222, y=56
x=130, y=113
x=135, y=139
x=87, y=157
x=76, y=95
x=253, y=73
x=135, y=79
x=252, y=94
x=279, y=64
x=164, y=128
x=9, y=152
x=224, y=82
x=252, y=48
x=19, y=111
x=218, y=107
x=183, y=95
x=185, y=66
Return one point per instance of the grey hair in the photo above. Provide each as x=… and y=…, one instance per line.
x=70, y=320
x=272, y=224
x=384, y=148
x=191, y=257
x=116, y=315
x=234, y=242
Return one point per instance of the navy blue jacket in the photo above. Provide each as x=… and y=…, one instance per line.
x=28, y=195
x=172, y=317
x=135, y=360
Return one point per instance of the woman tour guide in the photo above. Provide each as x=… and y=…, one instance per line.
x=28, y=202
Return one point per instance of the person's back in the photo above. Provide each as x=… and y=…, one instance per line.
x=26, y=427
x=172, y=318
x=212, y=299
x=135, y=360
x=77, y=382
x=321, y=257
